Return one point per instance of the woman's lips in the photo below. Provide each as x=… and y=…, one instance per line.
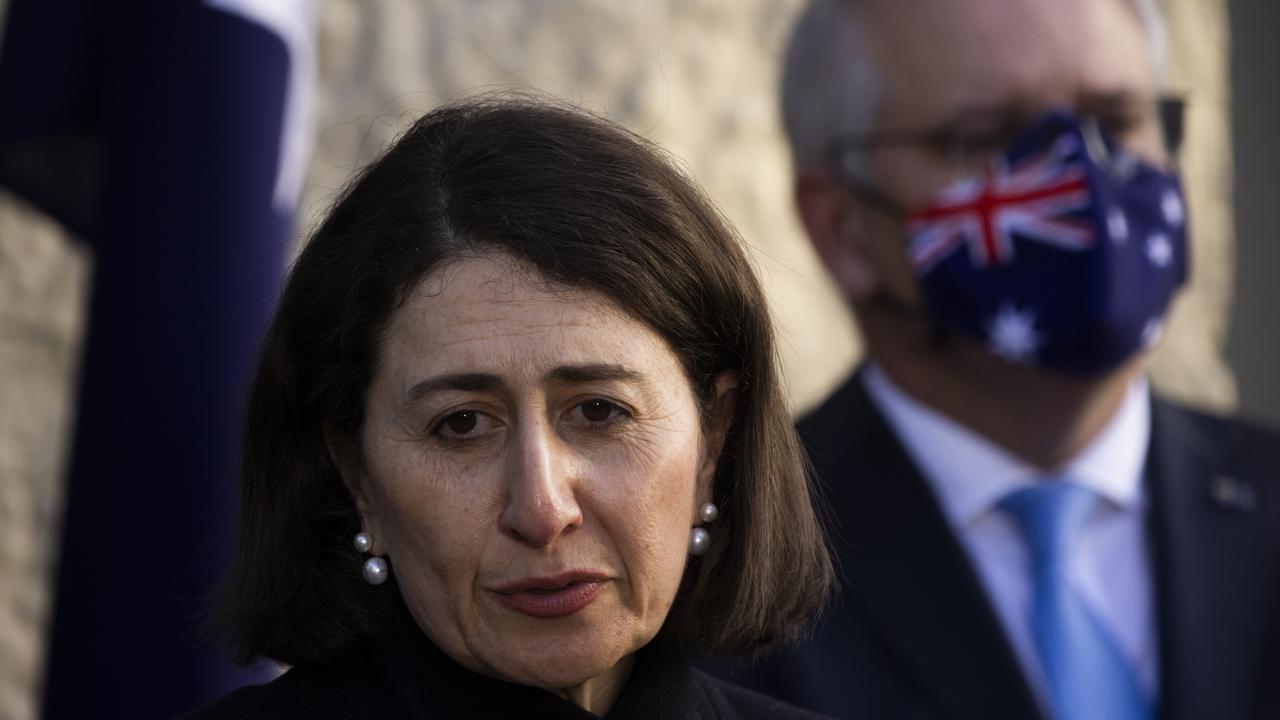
x=552, y=597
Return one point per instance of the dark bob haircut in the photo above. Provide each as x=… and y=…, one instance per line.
x=590, y=206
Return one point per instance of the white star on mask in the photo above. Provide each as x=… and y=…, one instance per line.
x=1159, y=249
x=1172, y=208
x=1117, y=226
x=1012, y=335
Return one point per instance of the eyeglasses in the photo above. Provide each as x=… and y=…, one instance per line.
x=972, y=140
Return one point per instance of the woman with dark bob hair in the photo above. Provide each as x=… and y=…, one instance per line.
x=516, y=444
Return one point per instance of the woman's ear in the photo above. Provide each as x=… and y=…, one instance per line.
x=716, y=429
x=345, y=456
x=835, y=224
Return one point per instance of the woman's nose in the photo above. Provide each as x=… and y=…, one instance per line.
x=541, y=501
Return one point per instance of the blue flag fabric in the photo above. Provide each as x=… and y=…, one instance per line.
x=1063, y=253
x=154, y=130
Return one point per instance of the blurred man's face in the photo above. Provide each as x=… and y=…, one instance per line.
x=980, y=68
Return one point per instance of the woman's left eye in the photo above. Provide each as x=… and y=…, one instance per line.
x=599, y=410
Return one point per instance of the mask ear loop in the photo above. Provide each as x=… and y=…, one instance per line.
x=1094, y=143
x=1116, y=162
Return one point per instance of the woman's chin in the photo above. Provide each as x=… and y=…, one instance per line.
x=556, y=668
x=556, y=653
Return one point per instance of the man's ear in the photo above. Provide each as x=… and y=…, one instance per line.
x=345, y=456
x=835, y=223
x=718, y=421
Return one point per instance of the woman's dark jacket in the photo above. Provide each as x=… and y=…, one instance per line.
x=406, y=676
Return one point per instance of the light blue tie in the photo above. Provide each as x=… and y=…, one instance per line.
x=1088, y=676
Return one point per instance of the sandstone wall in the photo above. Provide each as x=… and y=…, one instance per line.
x=1190, y=365
x=43, y=284
x=698, y=76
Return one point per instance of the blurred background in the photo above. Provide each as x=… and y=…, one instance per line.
x=160, y=163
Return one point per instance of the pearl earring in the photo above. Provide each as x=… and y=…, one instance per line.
x=699, y=538
x=375, y=568
x=375, y=571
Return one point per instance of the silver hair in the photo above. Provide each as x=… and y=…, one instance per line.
x=830, y=87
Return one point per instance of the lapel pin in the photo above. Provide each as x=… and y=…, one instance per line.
x=1231, y=494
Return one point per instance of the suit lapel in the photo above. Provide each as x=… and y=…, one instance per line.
x=1206, y=536
x=903, y=563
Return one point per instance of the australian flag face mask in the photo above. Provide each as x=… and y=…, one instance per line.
x=1063, y=253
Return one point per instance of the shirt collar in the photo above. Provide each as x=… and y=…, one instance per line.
x=970, y=474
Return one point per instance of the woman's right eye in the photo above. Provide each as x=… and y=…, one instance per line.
x=462, y=424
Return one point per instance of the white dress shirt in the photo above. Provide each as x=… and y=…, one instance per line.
x=1110, y=565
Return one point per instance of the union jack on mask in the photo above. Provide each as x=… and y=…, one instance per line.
x=1063, y=253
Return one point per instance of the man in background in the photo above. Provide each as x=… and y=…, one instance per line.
x=1025, y=529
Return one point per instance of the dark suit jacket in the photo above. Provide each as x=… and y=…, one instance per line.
x=914, y=636
x=405, y=676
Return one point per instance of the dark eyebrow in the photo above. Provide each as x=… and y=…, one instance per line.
x=590, y=373
x=464, y=382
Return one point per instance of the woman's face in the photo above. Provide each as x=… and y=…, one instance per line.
x=532, y=460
